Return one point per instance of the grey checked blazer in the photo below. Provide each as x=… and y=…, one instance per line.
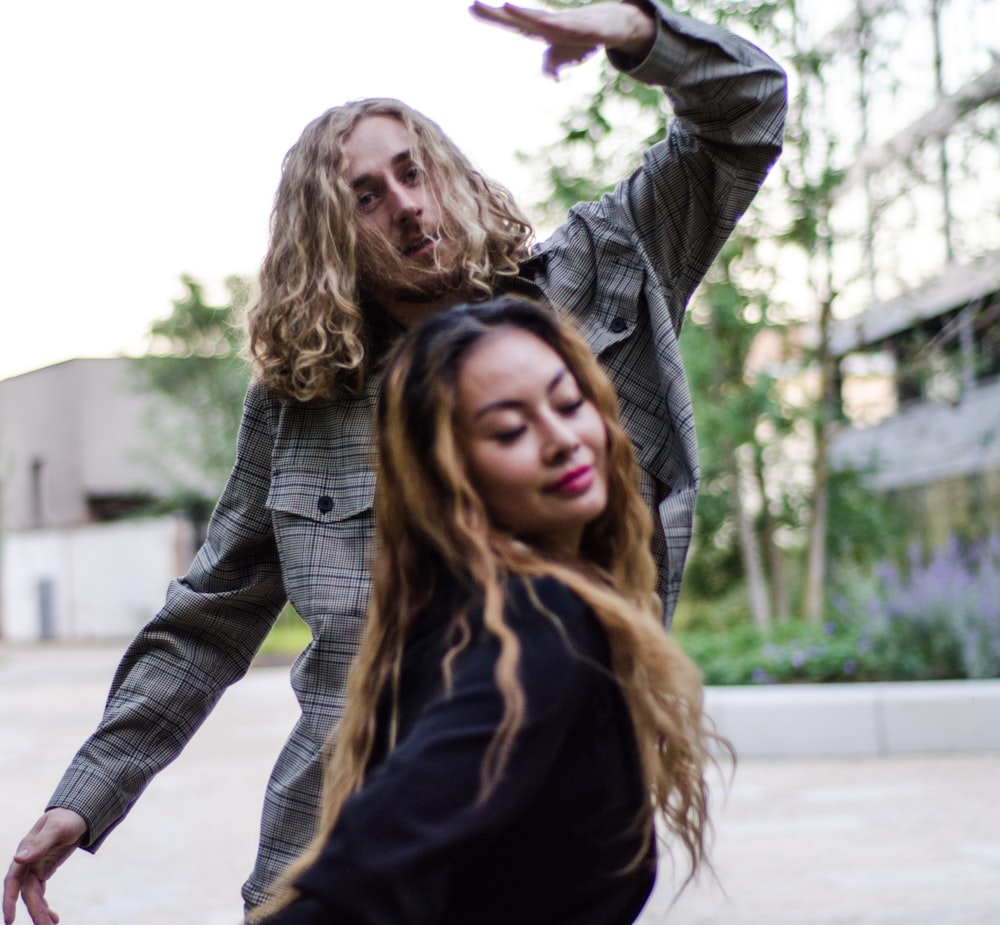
x=296, y=516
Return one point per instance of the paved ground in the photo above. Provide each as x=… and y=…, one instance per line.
x=853, y=841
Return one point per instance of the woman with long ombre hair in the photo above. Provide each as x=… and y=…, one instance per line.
x=517, y=718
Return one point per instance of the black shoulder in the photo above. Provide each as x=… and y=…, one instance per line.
x=545, y=605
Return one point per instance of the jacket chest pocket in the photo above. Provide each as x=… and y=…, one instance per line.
x=323, y=525
x=321, y=496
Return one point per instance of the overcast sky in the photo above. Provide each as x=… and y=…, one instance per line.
x=143, y=141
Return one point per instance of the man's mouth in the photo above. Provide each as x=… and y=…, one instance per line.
x=421, y=245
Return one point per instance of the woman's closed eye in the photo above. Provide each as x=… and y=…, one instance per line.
x=570, y=407
x=509, y=434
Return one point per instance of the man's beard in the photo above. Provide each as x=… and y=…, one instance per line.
x=384, y=273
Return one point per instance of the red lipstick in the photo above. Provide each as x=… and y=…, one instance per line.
x=575, y=481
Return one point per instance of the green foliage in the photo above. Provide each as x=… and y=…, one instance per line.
x=195, y=372
x=737, y=409
x=288, y=637
x=603, y=140
x=863, y=526
x=795, y=652
x=790, y=653
x=714, y=570
x=936, y=618
x=196, y=329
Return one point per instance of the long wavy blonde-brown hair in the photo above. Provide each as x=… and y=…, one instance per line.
x=309, y=334
x=434, y=533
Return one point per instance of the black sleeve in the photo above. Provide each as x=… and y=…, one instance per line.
x=392, y=854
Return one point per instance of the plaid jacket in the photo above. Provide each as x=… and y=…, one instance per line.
x=296, y=516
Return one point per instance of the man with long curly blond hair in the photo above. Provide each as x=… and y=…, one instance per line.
x=379, y=221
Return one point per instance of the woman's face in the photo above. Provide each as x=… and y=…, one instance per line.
x=535, y=447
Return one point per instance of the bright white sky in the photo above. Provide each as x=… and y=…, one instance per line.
x=143, y=141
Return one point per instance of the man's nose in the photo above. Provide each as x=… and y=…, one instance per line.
x=406, y=202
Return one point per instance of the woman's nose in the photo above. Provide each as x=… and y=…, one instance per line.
x=560, y=438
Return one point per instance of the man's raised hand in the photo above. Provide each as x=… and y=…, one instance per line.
x=574, y=35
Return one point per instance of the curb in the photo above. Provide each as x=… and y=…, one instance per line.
x=780, y=720
x=858, y=719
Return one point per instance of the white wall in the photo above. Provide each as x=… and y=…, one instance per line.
x=101, y=581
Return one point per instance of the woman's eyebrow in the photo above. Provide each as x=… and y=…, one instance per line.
x=508, y=403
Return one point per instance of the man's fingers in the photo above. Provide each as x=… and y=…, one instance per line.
x=557, y=57
x=13, y=881
x=11, y=890
x=572, y=35
x=532, y=23
x=52, y=839
x=33, y=895
x=505, y=15
x=22, y=882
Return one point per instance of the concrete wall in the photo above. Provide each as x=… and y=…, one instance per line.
x=97, y=581
x=89, y=428
x=841, y=720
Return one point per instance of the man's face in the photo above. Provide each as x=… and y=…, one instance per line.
x=403, y=253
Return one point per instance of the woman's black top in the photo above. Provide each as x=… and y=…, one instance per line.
x=550, y=843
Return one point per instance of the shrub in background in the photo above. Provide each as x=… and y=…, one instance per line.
x=939, y=617
x=935, y=618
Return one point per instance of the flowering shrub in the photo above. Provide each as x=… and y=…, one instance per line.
x=940, y=617
x=792, y=652
x=936, y=618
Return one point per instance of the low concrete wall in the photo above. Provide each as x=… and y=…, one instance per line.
x=858, y=719
x=90, y=582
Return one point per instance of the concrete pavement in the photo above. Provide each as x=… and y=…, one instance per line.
x=874, y=834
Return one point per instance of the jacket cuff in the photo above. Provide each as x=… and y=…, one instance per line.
x=96, y=798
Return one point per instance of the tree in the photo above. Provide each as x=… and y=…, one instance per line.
x=742, y=417
x=195, y=371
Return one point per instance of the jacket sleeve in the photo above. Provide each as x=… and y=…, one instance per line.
x=729, y=101
x=665, y=223
x=205, y=637
x=392, y=853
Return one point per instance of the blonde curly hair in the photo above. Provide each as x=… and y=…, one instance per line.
x=309, y=333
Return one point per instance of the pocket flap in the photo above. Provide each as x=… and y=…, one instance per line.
x=321, y=495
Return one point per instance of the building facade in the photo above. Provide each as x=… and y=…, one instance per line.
x=82, y=555
x=920, y=389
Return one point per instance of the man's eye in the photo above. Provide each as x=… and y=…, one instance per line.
x=366, y=201
x=412, y=174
